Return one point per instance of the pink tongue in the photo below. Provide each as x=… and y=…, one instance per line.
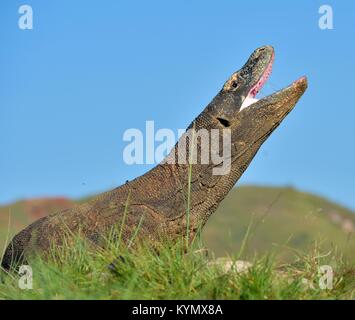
x=247, y=102
x=250, y=99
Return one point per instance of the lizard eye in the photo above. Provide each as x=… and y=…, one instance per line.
x=234, y=84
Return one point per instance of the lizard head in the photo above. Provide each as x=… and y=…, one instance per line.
x=256, y=119
x=251, y=121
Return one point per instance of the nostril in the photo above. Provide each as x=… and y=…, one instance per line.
x=224, y=122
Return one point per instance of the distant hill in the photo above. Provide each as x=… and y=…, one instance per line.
x=16, y=216
x=278, y=217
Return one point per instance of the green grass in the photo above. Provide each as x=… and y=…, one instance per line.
x=77, y=270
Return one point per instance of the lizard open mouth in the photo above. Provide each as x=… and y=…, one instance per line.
x=251, y=97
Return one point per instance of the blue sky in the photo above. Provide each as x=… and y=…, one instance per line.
x=89, y=70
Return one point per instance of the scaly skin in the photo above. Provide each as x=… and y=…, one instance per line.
x=157, y=200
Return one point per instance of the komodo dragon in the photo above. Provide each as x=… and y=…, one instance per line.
x=157, y=199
